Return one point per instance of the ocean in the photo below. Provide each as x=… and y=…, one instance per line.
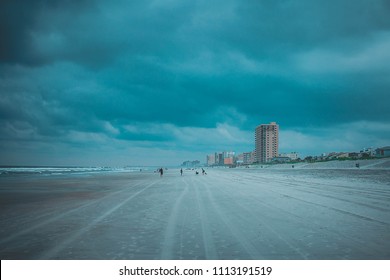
x=9, y=171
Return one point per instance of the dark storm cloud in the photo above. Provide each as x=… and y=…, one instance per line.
x=91, y=33
x=141, y=70
x=19, y=19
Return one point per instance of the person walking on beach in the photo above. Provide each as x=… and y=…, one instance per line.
x=161, y=171
x=181, y=171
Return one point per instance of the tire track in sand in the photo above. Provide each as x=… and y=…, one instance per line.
x=235, y=231
x=249, y=217
x=60, y=216
x=54, y=251
x=300, y=220
x=169, y=234
x=208, y=242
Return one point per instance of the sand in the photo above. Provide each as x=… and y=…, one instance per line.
x=226, y=214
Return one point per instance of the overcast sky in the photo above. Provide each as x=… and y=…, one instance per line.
x=93, y=82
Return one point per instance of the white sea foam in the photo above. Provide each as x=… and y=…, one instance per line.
x=63, y=170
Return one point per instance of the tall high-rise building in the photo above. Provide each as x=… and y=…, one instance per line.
x=218, y=158
x=266, y=142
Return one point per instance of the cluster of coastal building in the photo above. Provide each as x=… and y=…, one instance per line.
x=267, y=151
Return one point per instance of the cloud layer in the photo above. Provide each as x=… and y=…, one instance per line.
x=178, y=79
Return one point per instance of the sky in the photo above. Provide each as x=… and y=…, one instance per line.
x=115, y=83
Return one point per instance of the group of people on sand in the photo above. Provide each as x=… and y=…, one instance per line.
x=203, y=172
x=161, y=171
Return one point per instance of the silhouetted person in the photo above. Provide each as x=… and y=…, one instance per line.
x=161, y=171
x=181, y=171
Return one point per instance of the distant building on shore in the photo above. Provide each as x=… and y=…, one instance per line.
x=266, y=142
x=248, y=157
x=210, y=160
x=291, y=156
x=228, y=161
x=383, y=152
x=221, y=158
x=280, y=159
x=369, y=152
x=240, y=159
x=190, y=164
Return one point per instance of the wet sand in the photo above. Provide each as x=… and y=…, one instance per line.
x=227, y=214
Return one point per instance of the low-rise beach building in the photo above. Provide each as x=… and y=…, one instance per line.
x=383, y=152
x=248, y=157
x=291, y=156
x=210, y=160
x=228, y=161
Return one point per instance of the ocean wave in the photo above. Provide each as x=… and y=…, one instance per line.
x=4, y=171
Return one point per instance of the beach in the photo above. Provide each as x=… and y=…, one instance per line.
x=272, y=213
